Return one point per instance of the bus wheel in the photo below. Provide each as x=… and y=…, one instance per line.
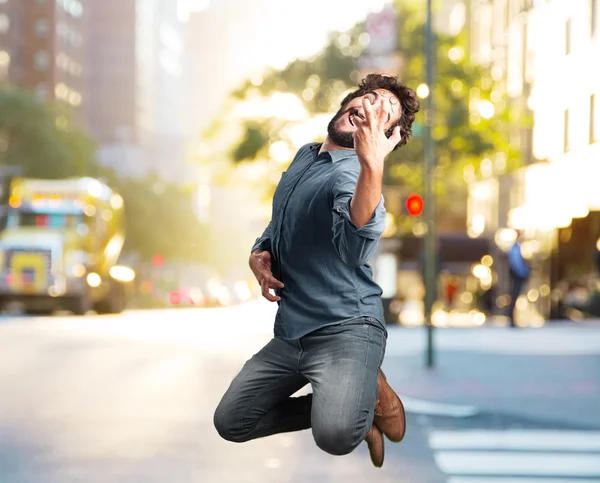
x=80, y=305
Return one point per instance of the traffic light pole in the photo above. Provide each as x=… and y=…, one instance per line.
x=430, y=259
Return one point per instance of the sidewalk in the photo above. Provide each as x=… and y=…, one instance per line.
x=551, y=373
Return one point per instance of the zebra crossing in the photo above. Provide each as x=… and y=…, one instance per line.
x=517, y=455
x=554, y=339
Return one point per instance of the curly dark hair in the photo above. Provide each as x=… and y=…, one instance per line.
x=408, y=100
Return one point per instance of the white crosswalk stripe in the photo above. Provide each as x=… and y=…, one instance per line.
x=517, y=456
x=551, y=340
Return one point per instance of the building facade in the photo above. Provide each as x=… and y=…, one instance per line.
x=159, y=83
x=42, y=49
x=134, y=56
x=543, y=57
x=111, y=69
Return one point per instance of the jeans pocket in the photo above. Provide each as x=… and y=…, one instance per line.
x=375, y=340
x=383, y=348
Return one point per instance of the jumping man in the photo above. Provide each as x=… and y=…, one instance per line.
x=328, y=215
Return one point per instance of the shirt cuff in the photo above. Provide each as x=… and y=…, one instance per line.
x=373, y=229
x=262, y=244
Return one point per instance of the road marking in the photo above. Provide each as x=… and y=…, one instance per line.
x=530, y=464
x=517, y=455
x=541, y=440
x=432, y=408
x=571, y=340
x=479, y=479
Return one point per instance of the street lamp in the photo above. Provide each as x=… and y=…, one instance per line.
x=430, y=262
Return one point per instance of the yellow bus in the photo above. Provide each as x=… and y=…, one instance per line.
x=61, y=245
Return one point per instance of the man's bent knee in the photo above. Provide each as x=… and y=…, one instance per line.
x=229, y=426
x=336, y=441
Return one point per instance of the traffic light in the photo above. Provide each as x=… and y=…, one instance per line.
x=414, y=205
x=158, y=260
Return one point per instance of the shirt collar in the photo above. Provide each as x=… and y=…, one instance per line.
x=337, y=155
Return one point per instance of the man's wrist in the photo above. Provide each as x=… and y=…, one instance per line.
x=370, y=176
x=371, y=168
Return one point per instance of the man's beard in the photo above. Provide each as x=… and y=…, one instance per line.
x=340, y=138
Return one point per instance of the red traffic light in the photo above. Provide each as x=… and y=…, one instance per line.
x=414, y=205
x=158, y=260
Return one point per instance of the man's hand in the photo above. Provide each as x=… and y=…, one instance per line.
x=370, y=142
x=372, y=147
x=260, y=264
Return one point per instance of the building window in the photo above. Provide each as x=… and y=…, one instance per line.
x=4, y=64
x=593, y=17
x=4, y=23
x=566, y=132
x=41, y=60
x=61, y=91
x=42, y=91
x=75, y=98
x=568, y=37
x=4, y=58
x=594, y=120
x=42, y=28
x=75, y=39
x=74, y=7
x=75, y=69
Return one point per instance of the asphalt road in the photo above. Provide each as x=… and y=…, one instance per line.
x=129, y=399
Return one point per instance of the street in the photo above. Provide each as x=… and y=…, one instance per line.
x=130, y=398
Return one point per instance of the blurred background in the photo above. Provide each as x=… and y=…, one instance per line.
x=140, y=144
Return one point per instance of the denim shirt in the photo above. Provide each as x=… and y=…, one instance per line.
x=317, y=252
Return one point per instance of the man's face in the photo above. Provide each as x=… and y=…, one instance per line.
x=342, y=127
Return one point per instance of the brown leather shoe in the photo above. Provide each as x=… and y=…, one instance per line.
x=375, y=442
x=389, y=411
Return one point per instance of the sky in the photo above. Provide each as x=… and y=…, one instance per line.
x=300, y=26
x=247, y=36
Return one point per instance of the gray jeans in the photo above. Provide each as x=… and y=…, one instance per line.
x=340, y=362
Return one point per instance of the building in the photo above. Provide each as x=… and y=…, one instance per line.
x=221, y=42
x=206, y=68
x=111, y=71
x=42, y=48
x=111, y=61
x=159, y=85
x=134, y=57
x=542, y=55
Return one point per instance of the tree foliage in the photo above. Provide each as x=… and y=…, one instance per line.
x=43, y=140
x=160, y=219
x=463, y=137
x=46, y=142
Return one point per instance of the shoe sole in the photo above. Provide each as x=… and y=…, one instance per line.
x=403, y=412
x=382, y=454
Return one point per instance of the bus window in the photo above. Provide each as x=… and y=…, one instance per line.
x=43, y=220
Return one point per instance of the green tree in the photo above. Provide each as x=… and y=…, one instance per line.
x=46, y=142
x=160, y=220
x=462, y=93
x=472, y=122
x=42, y=139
